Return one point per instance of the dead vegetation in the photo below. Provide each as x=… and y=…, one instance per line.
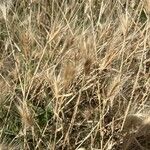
x=74, y=75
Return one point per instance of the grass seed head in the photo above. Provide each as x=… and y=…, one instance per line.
x=87, y=66
x=25, y=115
x=69, y=73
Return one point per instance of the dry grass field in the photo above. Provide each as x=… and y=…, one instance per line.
x=75, y=75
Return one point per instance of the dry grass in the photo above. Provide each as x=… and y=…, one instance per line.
x=74, y=75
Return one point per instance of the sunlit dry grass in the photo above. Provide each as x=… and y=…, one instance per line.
x=74, y=75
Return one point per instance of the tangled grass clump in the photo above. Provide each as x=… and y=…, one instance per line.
x=74, y=74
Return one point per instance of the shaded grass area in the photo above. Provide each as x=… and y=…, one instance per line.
x=74, y=74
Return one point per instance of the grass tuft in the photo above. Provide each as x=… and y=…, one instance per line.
x=74, y=75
